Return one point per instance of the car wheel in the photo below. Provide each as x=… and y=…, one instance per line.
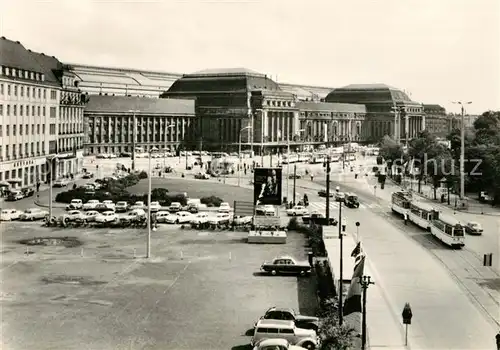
x=273, y=272
x=177, y=221
x=32, y=218
x=302, y=273
x=294, y=214
x=308, y=345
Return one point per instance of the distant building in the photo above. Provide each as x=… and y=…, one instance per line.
x=159, y=123
x=41, y=116
x=381, y=101
x=437, y=122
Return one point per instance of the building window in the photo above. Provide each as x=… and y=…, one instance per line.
x=8, y=110
x=21, y=110
x=43, y=111
x=28, y=91
x=8, y=89
x=26, y=129
x=52, y=129
x=44, y=94
x=1, y=109
x=1, y=130
x=14, y=110
x=53, y=94
x=39, y=93
x=15, y=90
x=32, y=129
x=43, y=129
x=7, y=130
x=1, y=89
x=38, y=129
x=38, y=111
x=22, y=91
x=14, y=130
x=33, y=111
x=52, y=112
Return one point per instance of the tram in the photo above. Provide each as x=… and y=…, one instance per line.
x=400, y=202
x=448, y=230
x=421, y=214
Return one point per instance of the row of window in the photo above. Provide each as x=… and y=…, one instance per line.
x=38, y=148
x=26, y=91
x=278, y=103
x=22, y=73
x=16, y=128
x=35, y=111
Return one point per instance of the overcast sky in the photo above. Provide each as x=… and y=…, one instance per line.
x=438, y=50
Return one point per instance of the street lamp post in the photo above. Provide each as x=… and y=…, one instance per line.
x=50, y=159
x=165, y=144
x=288, y=164
x=148, y=239
x=134, y=134
x=462, y=148
x=239, y=153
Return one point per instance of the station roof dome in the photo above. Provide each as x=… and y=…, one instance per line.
x=367, y=94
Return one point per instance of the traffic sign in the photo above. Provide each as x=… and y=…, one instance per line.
x=407, y=314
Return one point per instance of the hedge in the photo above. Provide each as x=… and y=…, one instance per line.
x=212, y=201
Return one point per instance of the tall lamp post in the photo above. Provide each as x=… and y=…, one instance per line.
x=148, y=239
x=239, y=152
x=288, y=163
x=462, y=147
x=167, y=127
x=50, y=160
x=134, y=134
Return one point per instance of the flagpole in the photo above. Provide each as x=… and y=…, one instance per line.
x=341, y=277
x=365, y=283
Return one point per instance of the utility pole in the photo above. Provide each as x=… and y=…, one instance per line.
x=134, y=135
x=462, y=148
x=294, y=181
x=365, y=283
x=341, y=264
x=328, y=190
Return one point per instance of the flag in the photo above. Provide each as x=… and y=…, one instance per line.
x=357, y=250
x=352, y=307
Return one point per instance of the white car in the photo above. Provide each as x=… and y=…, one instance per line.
x=60, y=183
x=175, y=207
x=135, y=214
x=75, y=204
x=243, y=220
x=266, y=209
x=121, y=206
x=107, y=216
x=109, y=204
x=276, y=344
x=138, y=205
x=72, y=215
x=180, y=217
x=161, y=216
x=10, y=214
x=340, y=196
x=200, y=218
x=221, y=218
x=90, y=215
x=298, y=210
x=224, y=208
x=91, y=204
x=33, y=214
x=155, y=206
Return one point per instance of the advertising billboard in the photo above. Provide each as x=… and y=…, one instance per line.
x=267, y=186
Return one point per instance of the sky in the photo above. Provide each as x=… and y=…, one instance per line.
x=438, y=51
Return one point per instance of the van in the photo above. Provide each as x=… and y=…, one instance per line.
x=264, y=329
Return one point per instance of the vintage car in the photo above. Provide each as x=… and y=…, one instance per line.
x=28, y=191
x=15, y=195
x=33, y=214
x=87, y=176
x=199, y=219
x=180, y=217
x=275, y=344
x=72, y=215
x=61, y=183
x=287, y=330
x=298, y=210
x=155, y=206
x=202, y=176
x=318, y=218
x=138, y=205
x=351, y=200
x=109, y=204
x=266, y=209
x=90, y=215
x=10, y=214
x=289, y=314
x=322, y=193
x=107, y=216
x=121, y=207
x=224, y=208
x=220, y=219
x=474, y=228
x=75, y=204
x=91, y=204
x=243, y=220
x=175, y=207
x=286, y=265
x=339, y=196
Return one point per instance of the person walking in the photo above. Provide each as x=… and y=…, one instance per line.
x=406, y=218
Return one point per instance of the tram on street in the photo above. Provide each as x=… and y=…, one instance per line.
x=400, y=202
x=421, y=214
x=290, y=158
x=448, y=230
x=318, y=158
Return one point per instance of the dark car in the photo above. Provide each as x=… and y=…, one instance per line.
x=288, y=314
x=294, y=176
x=88, y=176
x=318, y=219
x=351, y=200
x=286, y=265
x=28, y=191
x=322, y=193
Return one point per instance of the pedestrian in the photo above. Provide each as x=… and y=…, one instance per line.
x=497, y=337
x=406, y=218
x=312, y=177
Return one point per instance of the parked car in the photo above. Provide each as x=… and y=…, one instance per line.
x=275, y=344
x=175, y=207
x=15, y=195
x=296, y=176
x=75, y=204
x=109, y=204
x=243, y=220
x=199, y=219
x=267, y=210
x=220, y=219
x=202, y=176
x=72, y=215
x=60, y=183
x=33, y=214
x=351, y=200
x=102, y=207
x=121, y=207
x=138, y=205
x=286, y=265
x=298, y=210
x=161, y=216
x=107, y=216
x=289, y=314
x=180, y=217
x=155, y=206
x=322, y=193
x=318, y=218
x=196, y=207
x=87, y=176
x=89, y=216
x=339, y=196
x=10, y=214
x=91, y=204
x=224, y=207
x=134, y=214
x=485, y=197
x=28, y=191
x=474, y=228
x=305, y=338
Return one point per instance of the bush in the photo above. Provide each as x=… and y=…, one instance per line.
x=212, y=201
x=143, y=175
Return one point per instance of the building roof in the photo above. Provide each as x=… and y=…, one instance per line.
x=369, y=94
x=144, y=105
x=331, y=107
x=225, y=71
x=375, y=86
x=14, y=54
x=433, y=106
x=50, y=66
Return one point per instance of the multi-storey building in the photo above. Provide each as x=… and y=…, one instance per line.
x=30, y=109
x=159, y=123
x=437, y=122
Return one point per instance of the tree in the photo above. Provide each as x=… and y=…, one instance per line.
x=333, y=336
x=439, y=168
x=391, y=150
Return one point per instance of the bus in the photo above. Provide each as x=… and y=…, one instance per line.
x=400, y=202
x=448, y=230
x=421, y=214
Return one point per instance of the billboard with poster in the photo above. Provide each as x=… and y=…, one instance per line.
x=267, y=186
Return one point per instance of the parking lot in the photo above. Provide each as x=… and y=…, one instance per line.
x=200, y=290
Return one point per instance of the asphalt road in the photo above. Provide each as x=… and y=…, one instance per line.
x=201, y=290
x=445, y=287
